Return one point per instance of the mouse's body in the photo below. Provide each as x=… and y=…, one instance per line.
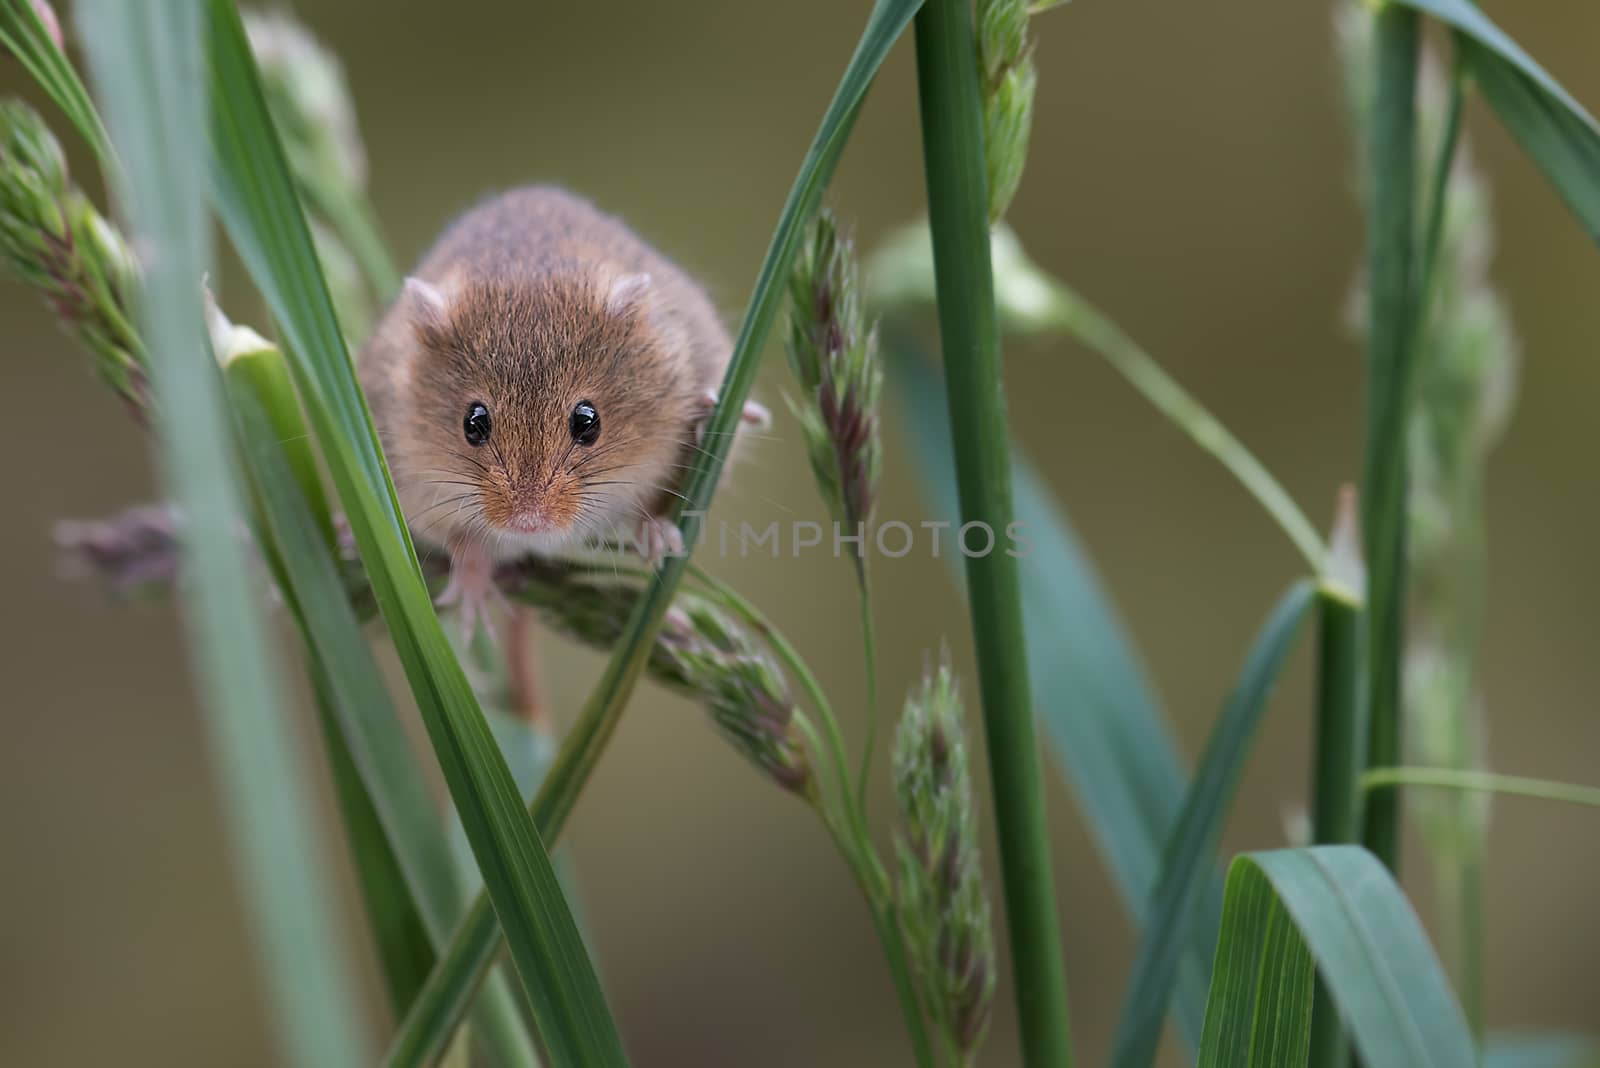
x=541, y=382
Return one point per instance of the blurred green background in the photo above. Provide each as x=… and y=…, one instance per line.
x=1189, y=173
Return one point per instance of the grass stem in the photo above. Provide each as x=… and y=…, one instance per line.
x=736, y=603
x=952, y=130
x=853, y=840
x=1390, y=379
x=1469, y=880
x=1381, y=780
x=351, y=218
x=1336, y=796
x=869, y=654
x=886, y=922
x=1096, y=331
x=1438, y=188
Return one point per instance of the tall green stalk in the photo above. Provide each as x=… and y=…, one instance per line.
x=1459, y=872
x=1389, y=387
x=952, y=131
x=140, y=55
x=1336, y=771
x=1336, y=799
x=1464, y=352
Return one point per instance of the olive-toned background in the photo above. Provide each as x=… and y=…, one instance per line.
x=1189, y=173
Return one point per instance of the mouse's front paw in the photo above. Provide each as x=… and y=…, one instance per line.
x=472, y=593
x=753, y=415
x=659, y=538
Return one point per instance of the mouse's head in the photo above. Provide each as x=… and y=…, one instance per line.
x=543, y=411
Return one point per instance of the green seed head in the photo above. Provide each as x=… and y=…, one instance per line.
x=1005, y=58
x=29, y=148
x=53, y=239
x=944, y=907
x=1445, y=729
x=834, y=356
x=746, y=694
x=310, y=104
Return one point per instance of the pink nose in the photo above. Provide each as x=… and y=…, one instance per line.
x=530, y=522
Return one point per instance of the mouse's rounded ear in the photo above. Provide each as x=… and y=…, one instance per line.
x=429, y=306
x=627, y=294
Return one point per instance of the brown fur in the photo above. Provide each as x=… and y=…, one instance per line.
x=527, y=331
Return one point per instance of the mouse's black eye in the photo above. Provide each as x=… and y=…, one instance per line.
x=477, y=424
x=584, y=423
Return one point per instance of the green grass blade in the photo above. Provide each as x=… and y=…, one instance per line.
x=958, y=215
x=1466, y=17
x=1564, y=143
x=1099, y=715
x=1194, y=840
x=440, y=1005
x=256, y=197
x=1483, y=782
x=24, y=36
x=1098, y=711
x=405, y=952
x=1259, y=1014
x=354, y=686
x=404, y=857
x=1541, y=1051
x=1390, y=385
x=1552, y=127
x=277, y=453
x=475, y=942
x=1370, y=951
x=147, y=59
x=258, y=386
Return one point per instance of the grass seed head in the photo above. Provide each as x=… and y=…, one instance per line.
x=310, y=104
x=944, y=906
x=834, y=355
x=1005, y=57
x=699, y=652
x=746, y=694
x=53, y=239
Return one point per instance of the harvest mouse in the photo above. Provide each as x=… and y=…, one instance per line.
x=542, y=380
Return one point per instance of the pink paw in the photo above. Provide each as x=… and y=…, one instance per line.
x=754, y=414
x=472, y=593
x=659, y=538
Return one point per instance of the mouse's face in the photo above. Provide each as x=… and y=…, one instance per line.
x=543, y=414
